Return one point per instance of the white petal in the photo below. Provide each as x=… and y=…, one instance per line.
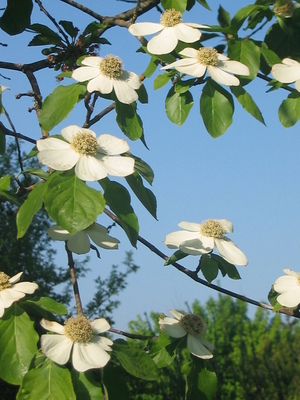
x=163, y=43
x=89, y=355
x=194, y=25
x=124, y=92
x=194, y=247
x=119, y=166
x=286, y=73
x=286, y=283
x=72, y=130
x=189, y=52
x=9, y=296
x=178, y=315
x=79, y=243
x=186, y=33
x=101, y=84
x=52, y=144
x=89, y=168
x=290, y=298
x=230, y=252
x=100, y=325
x=99, y=236
x=26, y=287
x=56, y=347
x=83, y=74
x=174, y=239
x=145, y=28
x=15, y=278
x=190, y=226
x=103, y=342
x=52, y=326
x=112, y=145
x=131, y=79
x=226, y=225
x=173, y=329
x=58, y=233
x=222, y=77
x=292, y=273
x=188, y=66
x=92, y=61
x=289, y=61
x=234, y=67
x=196, y=348
x=59, y=160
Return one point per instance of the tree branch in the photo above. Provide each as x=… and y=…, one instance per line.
x=74, y=280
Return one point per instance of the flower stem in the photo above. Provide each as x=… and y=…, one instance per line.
x=74, y=280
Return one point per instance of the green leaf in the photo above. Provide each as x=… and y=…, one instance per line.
x=58, y=105
x=183, y=86
x=247, y=102
x=128, y=120
x=179, y=5
x=247, y=53
x=228, y=268
x=49, y=381
x=151, y=68
x=2, y=142
x=178, y=255
x=46, y=36
x=39, y=172
x=142, y=168
x=289, y=110
x=29, y=208
x=178, y=106
x=69, y=28
x=224, y=17
x=268, y=59
x=4, y=187
x=216, y=108
x=209, y=268
x=200, y=382
x=240, y=17
x=41, y=304
x=118, y=199
x=204, y=4
x=5, y=182
x=16, y=16
x=284, y=44
x=18, y=344
x=85, y=386
x=111, y=375
x=135, y=361
x=71, y=203
x=145, y=195
x=161, y=80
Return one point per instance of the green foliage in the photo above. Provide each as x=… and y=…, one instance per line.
x=128, y=120
x=289, y=110
x=16, y=16
x=179, y=5
x=178, y=106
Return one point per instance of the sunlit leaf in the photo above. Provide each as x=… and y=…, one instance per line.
x=178, y=106
x=200, y=382
x=86, y=386
x=145, y=195
x=179, y=5
x=245, y=99
x=289, y=110
x=248, y=53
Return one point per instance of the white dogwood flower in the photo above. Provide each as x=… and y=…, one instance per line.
x=218, y=66
x=170, y=30
x=287, y=72
x=191, y=325
x=199, y=239
x=93, y=158
x=80, y=337
x=79, y=243
x=289, y=288
x=105, y=75
x=11, y=290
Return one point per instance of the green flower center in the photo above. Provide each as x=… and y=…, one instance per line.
x=207, y=56
x=171, y=17
x=212, y=228
x=85, y=143
x=193, y=324
x=284, y=8
x=4, y=281
x=78, y=329
x=111, y=67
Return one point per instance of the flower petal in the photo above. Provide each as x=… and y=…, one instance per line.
x=83, y=74
x=124, y=92
x=222, y=77
x=290, y=298
x=190, y=226
x=9, y=296
x=119, y=166
x=93, y=61
x=163, y=43
x=100, y=325
x=15, y=278
x=79, y=243
x=60, y=159
x=196, y=347
x=186, y=33
x=172, y=327
x=89, y=355
x=72, y=130
x=226, y=225
x=286, y=73
x=99, y=236
x=112, y=145
x=131, y=79
x=178, y=315
x=234, y=67
x=103, y=342
x=52, y=326
x=26, y=287
x=230, y=252
x=52, y=144
x=145, y=28
x=195, y=247
x=174, y=239
x=101, y=84
x=56, y=347
x=189, y=52
x=58, y=233
x=89, y=168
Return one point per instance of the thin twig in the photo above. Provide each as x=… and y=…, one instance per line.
x=8, y=132
x=131, y=335
x=74, y=280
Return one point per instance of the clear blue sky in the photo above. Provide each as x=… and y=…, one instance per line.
x=250, y=176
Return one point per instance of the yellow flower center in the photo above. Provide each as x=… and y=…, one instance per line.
x=78, y=329
x=4, y=281
x=111, y=67
x=171, y=17
x=284, y=8
x=85, y=143
x=207, y=56
x=193, y=324
x=212, y=228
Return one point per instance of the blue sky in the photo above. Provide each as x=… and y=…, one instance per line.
x=250, y=176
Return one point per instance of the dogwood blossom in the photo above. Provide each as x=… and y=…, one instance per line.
x=287, y=72
x=11, y=290
x=105, y=75
x=93, y=158
x=218, y=66
x=199, y=239
x=79, y=243
x=80, y=337
x=289, y=288
x=170, y=30
x=191, y=325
